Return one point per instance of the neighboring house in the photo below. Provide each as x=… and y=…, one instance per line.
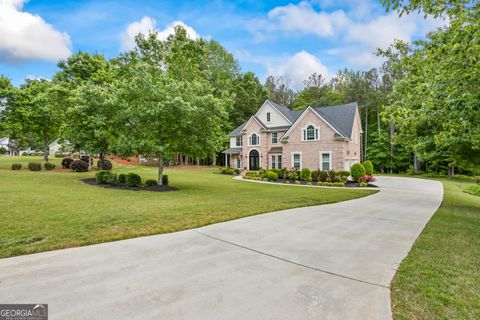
x=4, y=144
x=57, y=147
x=326, y=138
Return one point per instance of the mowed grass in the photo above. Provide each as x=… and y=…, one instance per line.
x=7, y=161
x=440, y=278
x=51, y=210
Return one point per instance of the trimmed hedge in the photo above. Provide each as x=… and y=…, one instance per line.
x=306, y=174
x=79, y=166
x=48, y=166
x=35, y=166
x=165, y=179
x=66, y=163
x=133, y=180
x=104, y=164
x=151, y=183
x=357, y=170
x=271, y=175
x=16, y=166
x=105, y=177
x=122, y=178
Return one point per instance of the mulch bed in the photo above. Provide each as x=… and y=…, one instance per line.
x=93, y=182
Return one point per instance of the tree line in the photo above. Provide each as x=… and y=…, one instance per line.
x=419, y=109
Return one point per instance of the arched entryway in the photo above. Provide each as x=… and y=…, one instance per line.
x=254, y=160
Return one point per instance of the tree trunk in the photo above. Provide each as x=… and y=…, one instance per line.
x=366, y=134
x=451, y=171
x=392, y=130
x=416, y=164
x=378, y=122
x=46, y=149
x=214, y=159
x=160, y=167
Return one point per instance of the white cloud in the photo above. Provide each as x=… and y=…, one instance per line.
x=25, y=36
x=298, y=68
x=146, y=25
x=304, y=18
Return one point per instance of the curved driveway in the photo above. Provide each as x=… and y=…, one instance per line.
x=325, y=262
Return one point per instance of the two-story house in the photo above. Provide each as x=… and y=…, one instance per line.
x=326, y=138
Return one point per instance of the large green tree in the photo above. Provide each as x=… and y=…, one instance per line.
x=436, y=104
x=249, y=96
x=91, y=115
x=169, y=102
x=38, y=112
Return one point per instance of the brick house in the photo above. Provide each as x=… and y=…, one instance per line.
x=276, y=137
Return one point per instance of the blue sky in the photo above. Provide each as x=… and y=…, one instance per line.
x=282, y=38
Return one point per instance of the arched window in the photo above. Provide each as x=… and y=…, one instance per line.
x=254, y=140
x=310, y=133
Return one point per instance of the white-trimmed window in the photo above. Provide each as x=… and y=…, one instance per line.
x=276, y=161
x=238, y=141
x=254, y=140
x=279, y=161
x=326, y=160
x=238, y=163
x=310, y=133
x=297, y=160
x=274, y=158
x=274, y=137
x=269, y=117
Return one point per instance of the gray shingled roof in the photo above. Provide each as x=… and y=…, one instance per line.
x=341, y=117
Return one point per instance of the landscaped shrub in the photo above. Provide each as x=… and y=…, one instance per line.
x=283, y=175
x=306, y=174
x=122, y=178
x=322, y=177
x=367, y=178
x=315, y=174
x=363, y=184
x=16, y=166
x=66, y=163
x=344, y=174
x=104, y=164
x=357, y=170
x=271, y=175
x=292, y=174
x=228, y=170
x=24, y=154
x=262, y=173
x=368, y=167
x=34, y=166
x=79, y=166
x=3, y=151
x=85, y=158
x=49, y=166
x=105, y=177
x=151, y=183
x=165, y=179
x=133, y=180
x=297, y=182
x=331, y=175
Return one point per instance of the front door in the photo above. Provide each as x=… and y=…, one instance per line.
x=254, y=160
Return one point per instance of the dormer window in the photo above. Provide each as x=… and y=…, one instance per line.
x=268, y=117
x=254, y=140
x=310, y=133
x=238, y=142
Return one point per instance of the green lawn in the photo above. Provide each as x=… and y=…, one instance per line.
x=440, y=278
x=51, y=210
x=7, y=161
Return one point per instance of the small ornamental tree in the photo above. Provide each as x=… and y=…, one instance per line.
x=368, y=167
x=357, y=170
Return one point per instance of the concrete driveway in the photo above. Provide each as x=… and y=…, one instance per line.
x=326, y=262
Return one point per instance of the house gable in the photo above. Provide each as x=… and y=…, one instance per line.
x=297, y=126
x=277, y=119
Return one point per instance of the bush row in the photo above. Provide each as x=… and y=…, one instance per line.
x=34, y=166
x=230, y=171
x=129, y=180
